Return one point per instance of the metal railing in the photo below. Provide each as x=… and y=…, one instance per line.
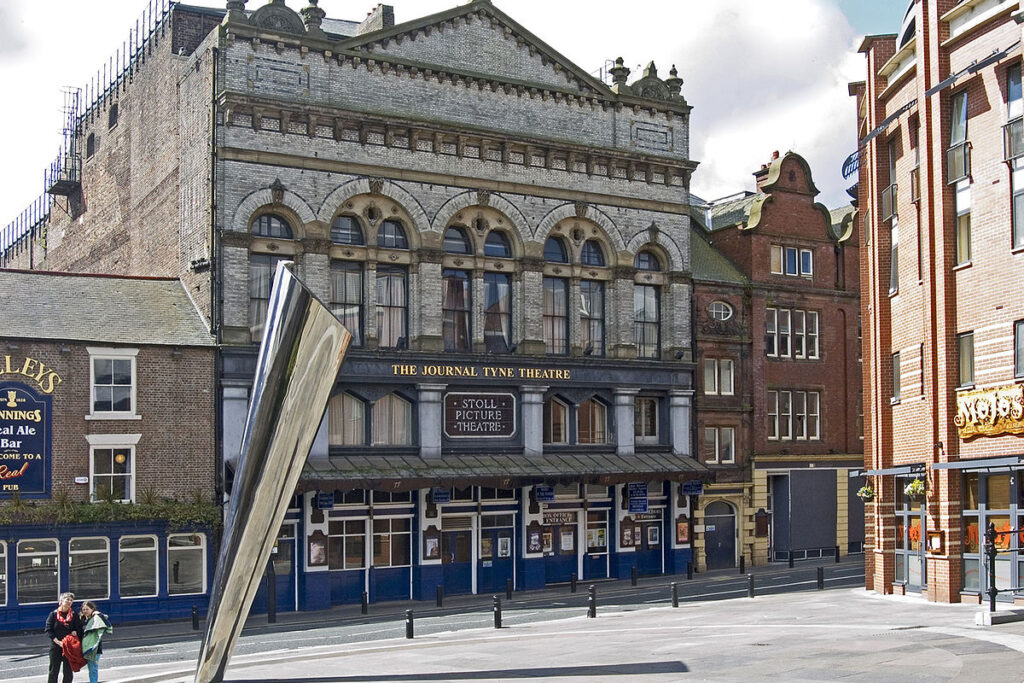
x=991, y=553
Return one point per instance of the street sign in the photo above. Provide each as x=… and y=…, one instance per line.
x=545, y=494
x=441, y=495
x=693, y=488
x=324, y=501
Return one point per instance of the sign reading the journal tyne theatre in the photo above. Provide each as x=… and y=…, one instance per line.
x=476, y=415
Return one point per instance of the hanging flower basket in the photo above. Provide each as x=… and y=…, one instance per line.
x=866, y=493
x=915, y=490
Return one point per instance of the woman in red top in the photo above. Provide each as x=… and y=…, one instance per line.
x=61, y=623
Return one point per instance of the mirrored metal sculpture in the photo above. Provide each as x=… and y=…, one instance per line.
x=300, y=356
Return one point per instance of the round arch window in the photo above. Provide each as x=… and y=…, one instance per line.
x=719, y=310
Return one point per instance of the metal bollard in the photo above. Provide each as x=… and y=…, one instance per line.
x=790, y=559
x=508, y=589
x=408, y=623
x=195, y=618
x=689, y=570
x=632, y=576
x=440, y=596
x=837, y=554
x=592, y=601
x=743, y=564
x=364, y=608
x=750, y=585
x=497, y=612
x=675, y=594
x=572, y=582
x=821, y=578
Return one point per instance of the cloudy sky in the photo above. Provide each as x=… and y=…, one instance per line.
x=761, y=75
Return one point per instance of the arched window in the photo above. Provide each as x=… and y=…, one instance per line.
x=592, y=254
x=345, y=425
x=554, y=251
x=719, y=310
x=392, y=421
x=456, y=241
x=497, y=245
x=556, y=420
x=646, y=260
x=272, y=225
x=592, y=422
x=391, y=235
x=346, y=230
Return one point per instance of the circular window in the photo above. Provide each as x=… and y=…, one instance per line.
x=719, y=310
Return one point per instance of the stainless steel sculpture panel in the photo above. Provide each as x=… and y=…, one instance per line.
x=300, y=356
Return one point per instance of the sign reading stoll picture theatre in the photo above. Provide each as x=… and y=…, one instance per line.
x=479, y=415
x=25, y=424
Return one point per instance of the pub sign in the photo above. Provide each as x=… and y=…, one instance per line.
x=25, y=441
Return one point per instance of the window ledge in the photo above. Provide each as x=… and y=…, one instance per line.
x=894, y=401
x=966, y=387
x=112, y=416
x=894, y=292
x=1017, y=250
x=963, y=266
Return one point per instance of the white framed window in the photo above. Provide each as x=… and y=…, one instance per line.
x=776, y=258
x=791, y=333
x=806, y=263
x=645, y=420
x=112, y=383
x=392, y=542
x=785, y=415
x=792, y=261
x=794, y=415
x=719, y=310
x=137, y=566
x=112, y=466
x=346, y=544
x=773, y=416
x=89, y=564
x=718, y=376
x=771, y=332
x=186, y=564
x=784, y=332
x=720, y=445
x=555, y=421
x=963, y=222
x=38, y=571
x=3, y=573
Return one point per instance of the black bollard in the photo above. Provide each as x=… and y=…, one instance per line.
x=632, y=576
x=440, y=596
x=271, y=594
x=195, y=618
x=508, y=589
x=821, y=578
x=837, y=554
x=592, y=601
x=497, y=612
x=364, y=608
x=689, y=570
x=572, y=582
x=408, y=623
x=750, y=585
x=790, y=559
x=743, y=564
x=675, y=594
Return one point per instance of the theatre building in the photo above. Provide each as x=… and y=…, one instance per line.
x=107, y=475
x=942, y=194
x=506, y=237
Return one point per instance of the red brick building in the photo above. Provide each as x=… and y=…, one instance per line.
x=779, y=368
x=941, y=190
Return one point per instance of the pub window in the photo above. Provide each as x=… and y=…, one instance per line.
x=272, y=225
x=391, y=235
x=556, y=416
x=186, y=564
x=392, y=421
x=345, y=420
x=554, y=250
x=392, y=307
x=645, y=420
x=137, y=566
x=38, y=571
x=556, y=316
x=592, y=317
x=89, y=564
x=347, y=230
x=350, y=497
x=965, y=349
x=113, y=382
x=461, y=494
x=392, y=542
x=497, y=312
x=112, y=474
x=392, y=497
x=346, y=544
x=262, y=270
x=497, y=245
x=646, y=260
x=592, y=254
x=456, y=241
x=491, y=493
x=592, y=422
x=456, y=310
x=647, y=320
x=3, y=573
x=347, y=297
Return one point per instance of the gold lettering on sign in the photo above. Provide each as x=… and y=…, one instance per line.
x=46, y=378
x=413, y=370
x=990, y=411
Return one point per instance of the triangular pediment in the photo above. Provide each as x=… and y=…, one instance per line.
x=479, y=39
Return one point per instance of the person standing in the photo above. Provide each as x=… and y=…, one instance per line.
x=61, y=623
x=96, y=625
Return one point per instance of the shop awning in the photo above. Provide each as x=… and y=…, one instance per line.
x=403, y=473
x=916, y=468
x=1004, y=462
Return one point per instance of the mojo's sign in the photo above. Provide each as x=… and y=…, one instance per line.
x=475, y=415
x=990, y=412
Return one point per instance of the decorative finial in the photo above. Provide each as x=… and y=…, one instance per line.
x=619, y=72
x=674, y=83
x=312, y=17
x=236, y=11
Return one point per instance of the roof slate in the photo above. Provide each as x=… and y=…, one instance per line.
x=707, y=263
x=104, y=309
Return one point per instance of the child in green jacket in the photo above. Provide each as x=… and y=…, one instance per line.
x=97, y=625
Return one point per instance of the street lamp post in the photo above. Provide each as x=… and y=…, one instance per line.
x=990, y=553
